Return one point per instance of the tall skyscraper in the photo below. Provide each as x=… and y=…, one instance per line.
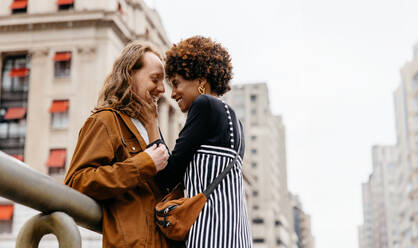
x=269, y=204
x=379, y=194
x=406, y=114
x=390, y=197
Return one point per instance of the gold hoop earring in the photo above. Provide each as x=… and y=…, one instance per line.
x=201, y=90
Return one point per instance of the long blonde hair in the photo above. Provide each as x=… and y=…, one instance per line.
x=118, y=89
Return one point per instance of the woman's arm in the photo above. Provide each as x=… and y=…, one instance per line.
x=93, y=170
x=194, y=133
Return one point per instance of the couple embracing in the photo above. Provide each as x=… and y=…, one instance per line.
x=122, y=162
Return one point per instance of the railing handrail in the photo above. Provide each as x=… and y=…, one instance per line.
x=22, y=184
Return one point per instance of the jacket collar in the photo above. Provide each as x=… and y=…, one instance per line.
x=129, y=124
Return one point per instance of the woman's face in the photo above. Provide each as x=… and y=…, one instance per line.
x=184, y=92
x=149, y=79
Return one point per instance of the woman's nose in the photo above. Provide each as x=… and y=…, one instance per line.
x=173, y=94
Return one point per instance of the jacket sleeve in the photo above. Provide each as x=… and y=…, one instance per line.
x=93, y=169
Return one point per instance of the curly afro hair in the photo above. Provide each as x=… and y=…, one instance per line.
x=200, y=58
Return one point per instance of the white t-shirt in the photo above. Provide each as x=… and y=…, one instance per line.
x=141, y=129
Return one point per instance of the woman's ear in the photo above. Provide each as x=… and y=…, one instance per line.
x=202, y=82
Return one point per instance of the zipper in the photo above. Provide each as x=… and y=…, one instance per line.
x=166, y=210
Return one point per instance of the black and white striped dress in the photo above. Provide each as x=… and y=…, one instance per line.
x=223, y=221
x=205, y=146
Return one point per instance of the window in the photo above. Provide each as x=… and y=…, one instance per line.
x=416, y=102
x=277, y=223
x=62, y=64
x=253, y=98
x=253, y=138
x=56, y=161
x=65, y=4
x=6, y=218
x=258, y=221
x=416, y=122
x=15, y=126
x=253, y=111
x=3, y=130
x=17, y=129
x=15, y=77
x=256, y=207
x=416, y=160
x=254, y=164
x=255, y=193
x=415, y=81
x=19, y=6
x=59, y=112
x=253, y=151
x=258, y=241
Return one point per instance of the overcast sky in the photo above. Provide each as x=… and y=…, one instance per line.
x=331, y=67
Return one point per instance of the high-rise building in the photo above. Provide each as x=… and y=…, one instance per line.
x=390, y=197
x=406, y=114
x=302, y=225
x=54, y=57
x=379, y=194
x=269, y=204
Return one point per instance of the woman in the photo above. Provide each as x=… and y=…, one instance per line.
x=199, y=71
x=111, y=163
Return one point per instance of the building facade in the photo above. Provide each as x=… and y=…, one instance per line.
x=406, y=113
x=269, y=204
x=390, y=197
x=379, y=194
x=54, y=57
x=302, y=225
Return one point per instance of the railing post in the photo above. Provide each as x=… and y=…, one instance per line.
x=57, y=223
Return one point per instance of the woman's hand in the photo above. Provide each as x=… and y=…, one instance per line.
x=159, y=155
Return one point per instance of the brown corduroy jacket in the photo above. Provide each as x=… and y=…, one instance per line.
x=110, y=166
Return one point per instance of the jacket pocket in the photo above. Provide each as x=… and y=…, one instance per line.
x=133, y=147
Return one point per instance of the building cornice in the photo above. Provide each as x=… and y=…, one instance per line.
x=68, y=20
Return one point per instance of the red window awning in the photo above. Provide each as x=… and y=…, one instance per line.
x=19, y=72
x=19, y=4
x=62, y=56
x=6, y=212
x=65, y=2
x=15, y=113
x=18, y=156
x=59, y=106
x=57, y=158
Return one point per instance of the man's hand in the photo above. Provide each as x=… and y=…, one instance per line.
x=159, y=155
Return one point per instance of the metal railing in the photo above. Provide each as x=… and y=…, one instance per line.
x=61, y=206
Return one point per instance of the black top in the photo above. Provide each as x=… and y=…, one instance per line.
x=207, y=123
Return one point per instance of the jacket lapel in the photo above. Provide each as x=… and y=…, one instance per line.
x=131, y=126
